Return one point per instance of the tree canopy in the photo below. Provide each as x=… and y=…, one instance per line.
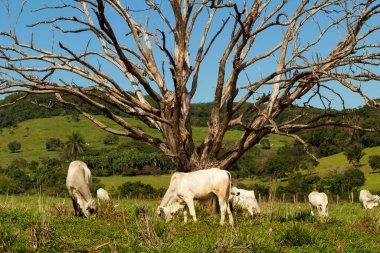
x=254, y=59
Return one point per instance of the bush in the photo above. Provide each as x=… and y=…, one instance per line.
x=265, y=144
x=296, y=236
x=138, y=190
x=8, y=185
x=374, y=162
x=14, y=146
x=111, y=139
x=342, y=182
x=54, y=144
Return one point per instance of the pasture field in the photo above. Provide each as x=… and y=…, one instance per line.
x=44, y=224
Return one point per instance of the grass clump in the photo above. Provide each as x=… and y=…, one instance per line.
x=296, y=236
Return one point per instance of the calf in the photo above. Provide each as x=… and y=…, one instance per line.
x=369, y=201
x=184, y=188
x=319, y=201
x=102, y=194
x=245, y=199
x=78, y=183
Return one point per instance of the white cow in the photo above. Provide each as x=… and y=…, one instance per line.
x=369, y=201
x=320, y=201
x=245, y=199
x=184, y=188
x=102, y=194
x=78, y=183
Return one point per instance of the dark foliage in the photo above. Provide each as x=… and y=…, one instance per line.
x=128, y=160
x=54, y=144
x=139, y=190
x=111, y=139
x=342, y=182
x=14, y=146
x=298, y=184
x=374, y=162
x=354, y=153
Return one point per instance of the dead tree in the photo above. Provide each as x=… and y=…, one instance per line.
x=148, y=60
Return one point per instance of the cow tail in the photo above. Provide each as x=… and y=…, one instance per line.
x=229, y=189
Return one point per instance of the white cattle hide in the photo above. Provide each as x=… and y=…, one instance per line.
x=78, y=183
x=184, y=188
x=102, y=194
x=245, y=199
x=369, y=201
x=319, y=201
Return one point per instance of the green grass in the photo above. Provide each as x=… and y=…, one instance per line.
x=44, y=224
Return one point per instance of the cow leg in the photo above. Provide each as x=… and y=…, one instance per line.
x=185, y=213
x=223, y=209
x=190, y=206
x=230, y=217
x=311, y=210
x=75, y=205
x=365, y=205
x=250, y=211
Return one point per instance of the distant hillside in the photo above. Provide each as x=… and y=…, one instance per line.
x=28, y=108
x=32, y=134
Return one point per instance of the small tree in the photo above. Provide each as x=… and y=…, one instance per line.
x=54, y=144
x=374, y=162
x=354, y=153
x=74, y=146
x=14, y=146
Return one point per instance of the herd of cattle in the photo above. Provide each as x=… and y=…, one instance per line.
x=184, y=188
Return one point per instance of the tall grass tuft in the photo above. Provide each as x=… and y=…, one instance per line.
x=296, y=236
x=152, y=233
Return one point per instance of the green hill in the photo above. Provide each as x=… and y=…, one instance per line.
x=32, y=134
x=338, y=161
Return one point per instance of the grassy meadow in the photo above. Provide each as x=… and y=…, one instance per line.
x=45, y=224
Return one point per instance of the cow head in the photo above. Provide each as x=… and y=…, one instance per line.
x=323, y=210
x=166, y=212
x=91, y=207
x=235, y=191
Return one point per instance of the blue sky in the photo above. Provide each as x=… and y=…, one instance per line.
x=208, y=75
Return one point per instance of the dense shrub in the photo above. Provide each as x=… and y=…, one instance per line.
x=296, y=236
x=374, y=162
x=14, y=146
x=265, y=144
x=54, y=144
x=111, y=139
x=8, y=185
x=342, y=182
x=354, y=153
x=297, y=184
x=139, y=190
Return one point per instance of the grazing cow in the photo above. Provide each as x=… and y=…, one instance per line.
x=369, y=201
x=102, y=194
x=245, y=199
x=320, y=201
x=184, y=188
x=78, y=183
